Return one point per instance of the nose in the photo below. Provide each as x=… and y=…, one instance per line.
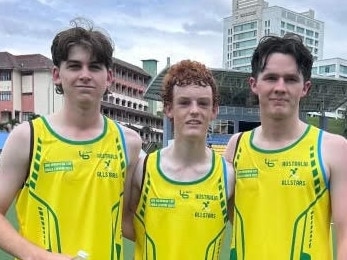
x=280, y=85
x=194, y=109
x=85, y=74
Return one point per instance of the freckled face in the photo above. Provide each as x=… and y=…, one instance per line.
x=191, y=110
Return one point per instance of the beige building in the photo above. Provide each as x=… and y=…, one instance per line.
x=26, y=87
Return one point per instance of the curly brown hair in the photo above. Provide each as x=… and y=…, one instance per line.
x=184, y=73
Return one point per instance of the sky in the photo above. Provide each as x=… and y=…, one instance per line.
x=151, y=29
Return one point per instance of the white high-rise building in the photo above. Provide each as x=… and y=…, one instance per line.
x=253, y=19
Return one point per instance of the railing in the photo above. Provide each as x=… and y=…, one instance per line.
x=226, y=110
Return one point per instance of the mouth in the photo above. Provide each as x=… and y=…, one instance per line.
x=88, y=87
x=278, y=100
x=193, y=122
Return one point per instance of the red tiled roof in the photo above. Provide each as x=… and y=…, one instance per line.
x=7, y=61
x=34, y=62
x=24, y=62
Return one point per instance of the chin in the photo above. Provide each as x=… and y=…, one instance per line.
x=195, y=135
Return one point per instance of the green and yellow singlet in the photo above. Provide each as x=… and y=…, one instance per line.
x=282, y=203
x=181, y=220
x=72, y=198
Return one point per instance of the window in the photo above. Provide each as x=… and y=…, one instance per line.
x=245, y=35
x=309, y=41
x=300, y=30
x=26, y=116
x=244, y=52
x=309, y=33
x=246, y=26
x=5, y=75
x=330, y=68
x=245, y=44
x=290, y=27
x=343, y=69
x=327, y=69
x=5, y=95
x=242, y=61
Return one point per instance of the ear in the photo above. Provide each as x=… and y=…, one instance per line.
x=110, y=78
x=253, y=84
x=56, y=76
x=306, y=89
x=168, y=111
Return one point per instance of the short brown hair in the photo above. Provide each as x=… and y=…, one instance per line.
x=82, y=34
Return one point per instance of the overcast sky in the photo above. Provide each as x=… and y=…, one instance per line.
x=151, y=29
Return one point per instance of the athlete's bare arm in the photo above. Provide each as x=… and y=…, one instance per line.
x=231, y=146
x=229, y=156
x=133, y=144
x=14, y=163
x=231, y=187
x=335, y=155
x=130, y=204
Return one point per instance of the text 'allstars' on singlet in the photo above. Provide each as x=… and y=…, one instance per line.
x=72, y=198
x=282, y=203
x=181, y=220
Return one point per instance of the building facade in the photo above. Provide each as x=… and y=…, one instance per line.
x=253, y=19
x=332, y=68
x=125, y=103
x=26, y=89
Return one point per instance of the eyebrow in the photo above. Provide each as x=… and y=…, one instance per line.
x=285, y=74
x=77, y=61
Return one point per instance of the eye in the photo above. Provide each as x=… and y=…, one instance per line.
x=96, y=67
x=292, y=80
x=183, y=102
x=204, y=103
x=73, y=66
x=270, y=78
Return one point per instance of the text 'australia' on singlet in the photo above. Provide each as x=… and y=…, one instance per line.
x=181, y=220
x=282, y=205
x=72, y=198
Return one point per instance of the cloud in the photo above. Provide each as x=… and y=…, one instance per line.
x=143, y=29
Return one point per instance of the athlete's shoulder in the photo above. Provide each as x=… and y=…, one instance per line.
x=333, y=142
x=232, y=145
